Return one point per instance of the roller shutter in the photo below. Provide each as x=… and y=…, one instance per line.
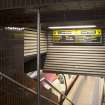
x=75, y=59
x=30, y=42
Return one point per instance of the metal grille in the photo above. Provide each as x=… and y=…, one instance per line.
x=15, y=87
x=11, y=63
x=9, y=4
x=30, y=42
x=75, y=59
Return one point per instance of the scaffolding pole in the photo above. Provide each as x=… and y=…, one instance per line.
x=38, y=54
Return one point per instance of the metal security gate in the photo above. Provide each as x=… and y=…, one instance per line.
x=88, y=60
x=30, y=42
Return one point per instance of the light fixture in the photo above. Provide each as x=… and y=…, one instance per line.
x=70, y=27
x=15, y=28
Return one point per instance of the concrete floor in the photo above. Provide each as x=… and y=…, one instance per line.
x=86, y=91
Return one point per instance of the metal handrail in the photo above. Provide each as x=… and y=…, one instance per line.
x=72, y=83
x=26, y=88
x=58, y=91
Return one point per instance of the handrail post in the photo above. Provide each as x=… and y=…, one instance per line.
x=38, y=54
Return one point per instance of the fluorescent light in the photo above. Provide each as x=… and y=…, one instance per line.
x=69, y=27
x=15, y=28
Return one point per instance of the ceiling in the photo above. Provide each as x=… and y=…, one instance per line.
x=52, y=11
x=52, y=4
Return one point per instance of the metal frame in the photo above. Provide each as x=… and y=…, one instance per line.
x=58, y=91
x=25, y=87
x=38, y=53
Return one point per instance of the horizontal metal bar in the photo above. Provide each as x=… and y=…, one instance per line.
x=79, y=48
x=74, y=72
x=77, y=57
x=60, y=67
x=76, y=65
x=79, y=62
x=17, y=83
x=75, y=51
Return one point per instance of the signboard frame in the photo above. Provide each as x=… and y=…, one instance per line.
x=95, y=33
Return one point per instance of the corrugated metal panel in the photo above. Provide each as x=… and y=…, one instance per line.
x=69, y=4
x=11, y=63
x=75, y=59
x=10, y=4
x=30, y=42
x=11, y=50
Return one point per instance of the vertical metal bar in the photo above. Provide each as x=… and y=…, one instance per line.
x=38, y=53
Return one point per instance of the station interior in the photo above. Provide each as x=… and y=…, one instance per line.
x=52, y=52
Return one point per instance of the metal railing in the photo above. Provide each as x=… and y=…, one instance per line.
x=58, y=91
x=26, y=88
x=34, y=92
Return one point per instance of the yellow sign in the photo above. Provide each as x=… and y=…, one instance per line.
x=78, y=36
